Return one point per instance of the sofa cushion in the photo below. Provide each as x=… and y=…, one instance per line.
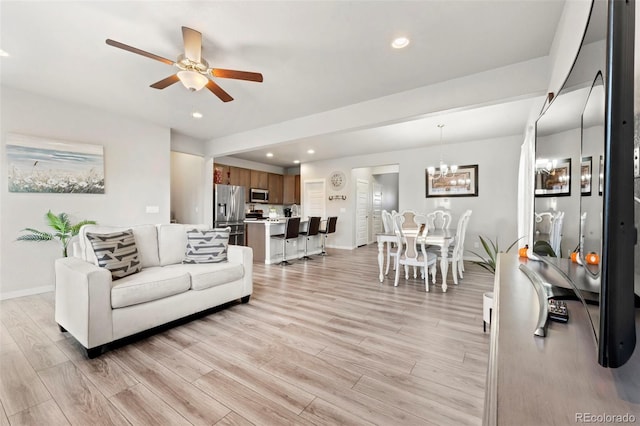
x=206, y=275
x=117, y=252
x=172, y=242
x=150, y=284
x=146, y=240
x=207, y=246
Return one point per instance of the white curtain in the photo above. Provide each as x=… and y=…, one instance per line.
x=526, y=187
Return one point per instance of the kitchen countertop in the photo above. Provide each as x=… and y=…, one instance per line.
x=281, y=219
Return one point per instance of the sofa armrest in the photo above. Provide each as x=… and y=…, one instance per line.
x=244, y=255
x=83, y=301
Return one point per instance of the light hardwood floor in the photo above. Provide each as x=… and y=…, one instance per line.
x=321, y=342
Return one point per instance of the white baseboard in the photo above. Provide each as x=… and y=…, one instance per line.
x=27, y=292
x=341, y=247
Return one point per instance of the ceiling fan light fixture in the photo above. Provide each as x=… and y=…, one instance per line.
x=192, y=80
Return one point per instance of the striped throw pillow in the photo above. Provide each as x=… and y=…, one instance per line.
x=117, y=252
x=207, y=246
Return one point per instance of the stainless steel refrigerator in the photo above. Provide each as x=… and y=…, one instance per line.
x=228, y=210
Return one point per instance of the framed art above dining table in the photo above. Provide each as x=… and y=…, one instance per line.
x=461, y=183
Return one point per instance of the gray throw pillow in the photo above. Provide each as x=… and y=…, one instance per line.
x=117, y=252
x=207, y=246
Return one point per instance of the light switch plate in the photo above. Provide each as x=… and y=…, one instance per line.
x=636, y=162
x=153, y=209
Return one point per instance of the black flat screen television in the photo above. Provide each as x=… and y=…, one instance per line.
x=590, y=123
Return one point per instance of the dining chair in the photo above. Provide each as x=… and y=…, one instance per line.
x=421, y=223
x=409, y=216
x=439, y=219
x=548, y=227
x=410, y=253
x=387, y=223
x=461, y=235
x=455, y=254
x=556, y=232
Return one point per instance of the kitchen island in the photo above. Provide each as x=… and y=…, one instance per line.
x=269, y=250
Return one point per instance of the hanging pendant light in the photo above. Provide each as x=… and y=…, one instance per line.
x=444, y=169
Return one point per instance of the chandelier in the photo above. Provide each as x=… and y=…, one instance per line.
x=444, y=169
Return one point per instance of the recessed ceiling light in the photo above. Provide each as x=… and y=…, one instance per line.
x=310, y=151
x=296, y=161
x=269, y=154
x=3, y=53
x=196, y=114
x=400, y=42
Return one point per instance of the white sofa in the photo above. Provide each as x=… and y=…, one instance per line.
x=97, y=310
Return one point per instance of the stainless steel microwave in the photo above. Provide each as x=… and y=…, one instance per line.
x=258, y=195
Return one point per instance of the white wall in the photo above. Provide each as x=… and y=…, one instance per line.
x=187, y=187
x=187, y=144
x=137, y=164
x=566, y=41
x=485, y=88
x=494, y=210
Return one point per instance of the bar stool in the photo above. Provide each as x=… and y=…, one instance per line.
x=291, y=231
x=330, y=228
x=312, y=230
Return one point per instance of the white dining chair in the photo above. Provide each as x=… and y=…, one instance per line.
x=439, y=219
x=409, y=219
x=410, y=253
x=548, y=227
x=556, y=232
x=455, y=255
x=387, y=223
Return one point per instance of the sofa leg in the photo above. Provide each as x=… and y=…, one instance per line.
x=245, y=299
x=62, y=329
x=94, y=352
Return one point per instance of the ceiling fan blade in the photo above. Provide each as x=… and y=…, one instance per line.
x=217, y=90
x=238, y=75
x=138, y=51
x=166, y=82
x=192, y=44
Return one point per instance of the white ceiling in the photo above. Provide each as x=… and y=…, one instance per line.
x=315, y=56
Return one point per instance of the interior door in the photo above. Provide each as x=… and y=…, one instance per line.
x=362, y=212
x=377, y=210
x=314, y=198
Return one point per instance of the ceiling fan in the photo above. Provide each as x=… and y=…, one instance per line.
x=193, y=69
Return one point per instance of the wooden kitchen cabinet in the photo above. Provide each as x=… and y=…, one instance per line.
x=259, y=179
x=241, y=177
x=291, y=189
x=275, y=189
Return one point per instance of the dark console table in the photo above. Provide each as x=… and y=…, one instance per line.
x=555, y=380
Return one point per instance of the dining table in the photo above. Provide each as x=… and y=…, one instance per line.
x=437, y=237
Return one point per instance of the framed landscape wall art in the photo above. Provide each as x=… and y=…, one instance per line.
x=585, y=176
x=461, y=183
x=553, y=178
x=37, y=164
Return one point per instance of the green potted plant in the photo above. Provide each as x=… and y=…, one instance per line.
x=491, y=249
x=63, y=230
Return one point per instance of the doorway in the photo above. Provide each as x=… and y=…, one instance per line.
x=362, y=212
